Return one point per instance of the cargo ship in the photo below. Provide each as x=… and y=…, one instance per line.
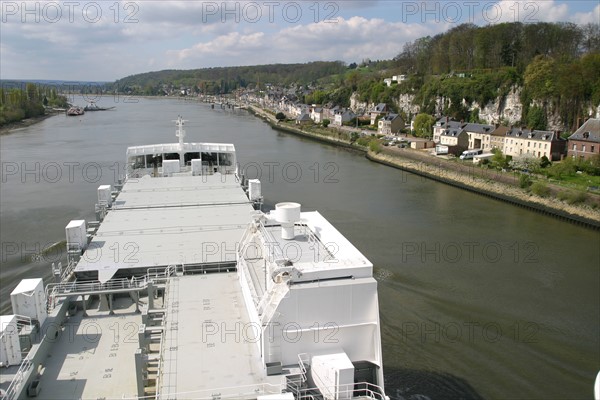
x=184, y=288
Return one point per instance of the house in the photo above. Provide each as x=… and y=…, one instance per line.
x=303, y=119
x=442, y=125
x=379, y=109
x=480, y=136
x=391, y=124
x=316, y=114
x=585, y=142
x=498, y=136
x=329, y=111
x=522, y=142
x=299, y=109
x=342, y=116
x=455, y=138
x=388, y=81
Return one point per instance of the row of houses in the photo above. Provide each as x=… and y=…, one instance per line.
x=457, y=137
x=387, y=123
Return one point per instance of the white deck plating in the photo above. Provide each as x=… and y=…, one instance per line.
x=158, y=222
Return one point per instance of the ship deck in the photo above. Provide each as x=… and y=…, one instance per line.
x=93, y=356
x=157, y=222
x=210, y=347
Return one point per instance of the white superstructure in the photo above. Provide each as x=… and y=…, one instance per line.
x=183, y=288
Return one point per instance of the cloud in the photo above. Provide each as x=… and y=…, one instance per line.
x=348, y=39
x=108, y=40
x=591, y=17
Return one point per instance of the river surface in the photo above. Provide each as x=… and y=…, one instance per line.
x=478, y=298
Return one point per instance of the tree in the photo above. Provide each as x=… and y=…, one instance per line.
x=423, y=125
x=540, y=77
x=280, y=116
x=536, y=118
x=326, y=123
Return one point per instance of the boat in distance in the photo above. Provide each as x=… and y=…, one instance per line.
x=92, y=106
x=74, y=111
x=183, y=288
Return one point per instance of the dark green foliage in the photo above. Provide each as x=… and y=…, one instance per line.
x=424, y=125
x=536, y=118
x=545, y=162
x=540, y=188
x=226, y=79
x=280, y=116
x=524, y=181
x=326, y=123
x=18, y=103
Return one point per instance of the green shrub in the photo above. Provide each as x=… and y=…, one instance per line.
x=363, y=141
x=374, y=146
x=540, y=189
x=572, y=197
x=577, y=197
x=524, y=181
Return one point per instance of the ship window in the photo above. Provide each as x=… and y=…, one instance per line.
x=210, y=158
x=188, y=157
x=154, y=160
x=137, y=162
x=225, y=159
x=171, y=156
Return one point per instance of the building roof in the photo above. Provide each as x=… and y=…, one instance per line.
x=500, y=130
x=381, y=107
x=589, y=131
x=391, y=117
x=520, y=133
x=479, y=128
x=447, y=123
x=303, y=117
x=453, y=132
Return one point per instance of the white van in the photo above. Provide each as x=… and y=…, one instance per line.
x=469, y=154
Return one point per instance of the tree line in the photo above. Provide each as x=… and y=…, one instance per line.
x=223, y=80
x=31, y=101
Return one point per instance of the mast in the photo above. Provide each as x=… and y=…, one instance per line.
x=180, y=133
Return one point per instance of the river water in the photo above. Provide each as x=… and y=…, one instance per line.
x=478, y=298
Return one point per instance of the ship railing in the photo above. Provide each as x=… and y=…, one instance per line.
x=355, y=390
x=303, y=363
x=23, y=320
x=74, y=288
x=230, y=392
x=13, y=389
x=269, y=239
x=249, y=277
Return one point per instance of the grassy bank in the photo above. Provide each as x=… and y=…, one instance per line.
x=12, y=126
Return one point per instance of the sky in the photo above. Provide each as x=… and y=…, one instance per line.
x=107, y=40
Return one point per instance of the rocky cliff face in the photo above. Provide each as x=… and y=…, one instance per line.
x=356, y=104
x=507, y=109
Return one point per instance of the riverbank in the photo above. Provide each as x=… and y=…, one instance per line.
x=485, y=182
x=13, y=126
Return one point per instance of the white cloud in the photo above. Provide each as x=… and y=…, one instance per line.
x=592, y=17
x=135, y=36
x=348, y=40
